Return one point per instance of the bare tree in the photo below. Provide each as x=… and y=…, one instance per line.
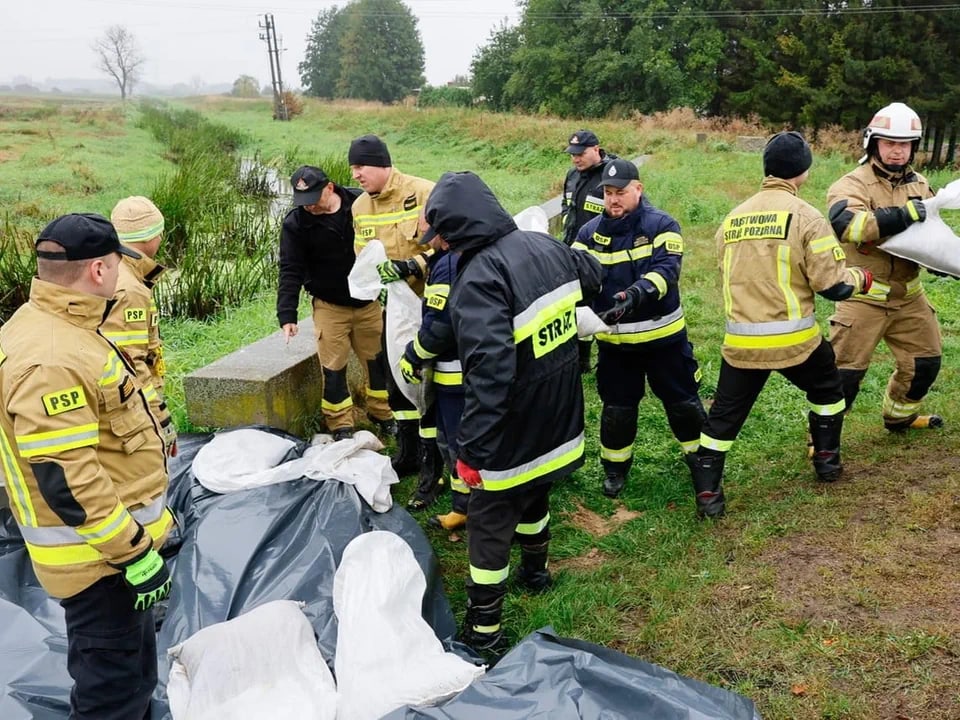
x=119, y=57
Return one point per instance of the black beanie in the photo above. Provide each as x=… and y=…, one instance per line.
x=369, y=150
x=787, y=155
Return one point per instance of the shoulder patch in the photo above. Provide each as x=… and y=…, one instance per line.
x=366, y=232
x=134, y=315
x=61, y=401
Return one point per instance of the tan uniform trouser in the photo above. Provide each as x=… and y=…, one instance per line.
x=339, y=328
x=911, y=332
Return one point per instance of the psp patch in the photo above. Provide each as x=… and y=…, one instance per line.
x=135, y=315
x=61, y=401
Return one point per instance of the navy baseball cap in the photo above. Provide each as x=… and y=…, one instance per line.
x=619, y=172
x=580, y=141
x=308, y=183
x=83, y=236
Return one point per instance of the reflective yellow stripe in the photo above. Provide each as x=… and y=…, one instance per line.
x=533, y=528
x=438, y=289
x=713, y=444
x=894, y=409
x=761, y=342
x=428, y=433
x=379, y=394
x=150, y=393
x=546, y=308
x=112, y=370
x=912, y=210
x=824, y=244
x=859, y=224
x=616, y=455
x=388, y=218
x=489, y=577
x=122, y=339
x=447, y=378
x=659, y=282
x=673, y=241
x=486, y=629
x=783, y=278
x=104, y=531
x=157, y=528
x=421, y=351
x=58, y=440
x=406, y=414
x=336, y=406
x=878, y=291
x=622, y=256
x=16, y=486
x=136, y=236
x=727, y=295
x=579, y=246
x=58, y=555
x=914, y=287
x=690, y=446
x=459, y=486
x=829, y=410
x=629, y=338
x=555, y=459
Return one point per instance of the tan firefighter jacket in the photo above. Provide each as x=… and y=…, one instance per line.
x=82, y=456
x=392, y=217
x=133, y=325
x=851, y=201
x=776, y=251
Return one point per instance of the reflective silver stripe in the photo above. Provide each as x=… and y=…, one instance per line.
x=645, y=325
x=775, y=327
x=534, y=464
x=63, y=440
x=449, y=366
x=63, y=535
x=544, y=302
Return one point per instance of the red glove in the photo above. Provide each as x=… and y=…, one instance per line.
x=470, y=476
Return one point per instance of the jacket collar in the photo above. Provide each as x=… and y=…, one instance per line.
x=775, y=183
x=393, y=183
x=145, y=269
x=77, y=308
x=894, y=178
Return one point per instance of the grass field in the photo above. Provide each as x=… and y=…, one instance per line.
x=816, y=601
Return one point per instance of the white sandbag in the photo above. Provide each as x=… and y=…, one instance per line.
x=404, y=313
x=589, y=323
x=364, y=280
x=241, y=459
x=387, y=655
x=931, y=243
x=263, y=664
x=533, y=218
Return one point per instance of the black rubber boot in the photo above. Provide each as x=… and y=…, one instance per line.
x=707, y=472
x=482, y=632
x=431, y=476
x=406, y=462
x=825, y=432
x=618, y=429
x=532, y=573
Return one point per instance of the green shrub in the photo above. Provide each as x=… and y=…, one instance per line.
x=445, y=97
x=18, y=265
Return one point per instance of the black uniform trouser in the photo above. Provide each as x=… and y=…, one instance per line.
x=111, y=653
x=739, y=388
x=497, y=519
x=449, y=407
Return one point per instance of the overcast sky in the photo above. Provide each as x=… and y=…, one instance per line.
x=216, y=40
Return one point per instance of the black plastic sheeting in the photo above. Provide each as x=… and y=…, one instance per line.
x=560, y=679
x=230, y=554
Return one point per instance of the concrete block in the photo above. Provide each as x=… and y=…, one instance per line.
x=751, y=143
x=265, y=382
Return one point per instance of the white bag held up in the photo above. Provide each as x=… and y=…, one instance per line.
x=263, y=664
x=533, y=218
x=931, y=243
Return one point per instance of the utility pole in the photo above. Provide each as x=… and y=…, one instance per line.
x=273, y=51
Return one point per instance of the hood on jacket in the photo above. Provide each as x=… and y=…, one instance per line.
x=466, y=213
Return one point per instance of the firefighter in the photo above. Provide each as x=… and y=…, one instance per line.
x=389, y=211
x=881, y=198
x=775, y=252
x=641, y=250
x=513, y=312
x=316, y=252
x=583, y=198
x=133, y=324
x=436, y=347
x=85, y=465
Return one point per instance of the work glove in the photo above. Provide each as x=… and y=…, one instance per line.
x=382, y=297
x=470, y=476
x=863, y=277
x=148, y=577
x=412, y=372
x=393, y=270
x=626, y=301
x=913, y=211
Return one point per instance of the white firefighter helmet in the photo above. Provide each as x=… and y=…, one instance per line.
x=894, y=122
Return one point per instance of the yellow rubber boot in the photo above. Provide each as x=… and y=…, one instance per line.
x=451, y=521
x=922, y=422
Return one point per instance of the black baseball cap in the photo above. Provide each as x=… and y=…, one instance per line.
x=308, y=182
x=619, y=172
x=580, y=141
x=83, y=236
x=429, y=235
